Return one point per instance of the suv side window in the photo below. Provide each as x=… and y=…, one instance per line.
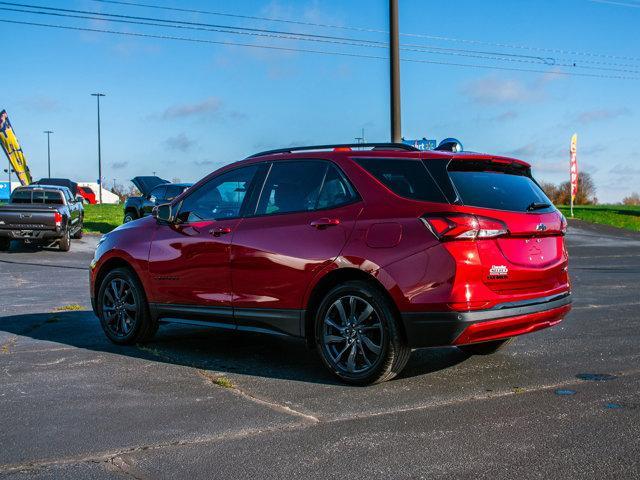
x=219, y=198
x=336, y=190
x=292, y=187
x=157, y=193
x=407, y=178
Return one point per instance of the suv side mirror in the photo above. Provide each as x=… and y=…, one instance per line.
x=162, y=213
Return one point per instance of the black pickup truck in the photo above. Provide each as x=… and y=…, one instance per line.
x=155, y=191
x=41, y=214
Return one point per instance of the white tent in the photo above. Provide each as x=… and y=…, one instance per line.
x=107, y=195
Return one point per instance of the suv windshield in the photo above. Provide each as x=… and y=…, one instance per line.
x=480, y=184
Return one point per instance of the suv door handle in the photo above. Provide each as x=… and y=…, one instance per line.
x=325, y=222
x=217, y=231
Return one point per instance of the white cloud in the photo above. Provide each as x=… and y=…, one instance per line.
x=598, y=115
x=495, y=90
x=180, y=143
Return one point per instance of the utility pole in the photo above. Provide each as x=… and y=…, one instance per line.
x=394, y=71
x=48, y=132
x=98, y=95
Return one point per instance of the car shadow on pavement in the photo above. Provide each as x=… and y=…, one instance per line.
x=209, y=349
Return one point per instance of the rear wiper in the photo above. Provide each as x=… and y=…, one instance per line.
x=537, y=206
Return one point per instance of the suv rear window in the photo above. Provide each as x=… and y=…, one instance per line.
x=481, y=184
x=407, y=178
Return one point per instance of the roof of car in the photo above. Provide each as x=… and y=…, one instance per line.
x=43, y=187
x=379, y=150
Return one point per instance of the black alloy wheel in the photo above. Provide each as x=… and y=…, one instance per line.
x=123, y=309
x=357, y=334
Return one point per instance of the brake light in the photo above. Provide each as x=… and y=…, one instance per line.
x=342, y=149
x=57, y=217
x=464, y=226
x=563, y=224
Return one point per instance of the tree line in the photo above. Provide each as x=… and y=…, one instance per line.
x=561, y=194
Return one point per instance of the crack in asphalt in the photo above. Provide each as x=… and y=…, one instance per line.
x=118, y=464
x=252, y=398
x=108, y=457
x=115, y=459
x=213, y=379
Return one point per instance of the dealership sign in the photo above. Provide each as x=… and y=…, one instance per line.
x=5, y=191
x=423, y=144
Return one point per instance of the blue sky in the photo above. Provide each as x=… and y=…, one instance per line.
x=182, y=109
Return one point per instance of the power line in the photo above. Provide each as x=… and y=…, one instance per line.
x=146, y=21
x=373, y=30
x=185, y=24
x=618, y=4
x=319, y=52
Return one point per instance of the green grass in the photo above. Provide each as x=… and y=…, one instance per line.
x=621, y=216
x=102, y=218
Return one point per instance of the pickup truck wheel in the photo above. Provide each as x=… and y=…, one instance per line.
x=485, y=348
x=357, y=334
x=129, y=217
x=65, y=242
x=5, y=244
x=123, y=309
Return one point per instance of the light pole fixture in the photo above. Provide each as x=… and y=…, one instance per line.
x=48, y=132
x=98, y=95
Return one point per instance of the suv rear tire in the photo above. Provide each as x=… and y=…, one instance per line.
x=358, y=336
x=5, y=244
x=485, y=348
x=123, y=309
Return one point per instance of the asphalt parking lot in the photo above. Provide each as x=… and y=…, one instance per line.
x=198, y=403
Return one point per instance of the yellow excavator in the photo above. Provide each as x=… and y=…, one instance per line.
x=13, y=150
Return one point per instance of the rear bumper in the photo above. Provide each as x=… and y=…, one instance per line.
x=34, y=235
x=431, y=329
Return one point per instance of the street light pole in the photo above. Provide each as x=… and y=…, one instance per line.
x=394, y=71
x=48, y=132
x=98, y=95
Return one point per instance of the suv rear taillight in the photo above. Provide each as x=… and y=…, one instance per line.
x=57, y=217
x=563, y=224
x=461, y=226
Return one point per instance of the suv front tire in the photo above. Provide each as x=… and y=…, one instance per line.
x=123, y=309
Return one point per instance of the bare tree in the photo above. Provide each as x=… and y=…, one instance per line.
x=633, y=199
x=124, y=192
x=586, y=191
x=550, y=190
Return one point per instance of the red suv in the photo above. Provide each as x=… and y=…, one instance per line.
x=364, y=252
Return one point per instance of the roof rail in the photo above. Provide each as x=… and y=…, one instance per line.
x=374, y=146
